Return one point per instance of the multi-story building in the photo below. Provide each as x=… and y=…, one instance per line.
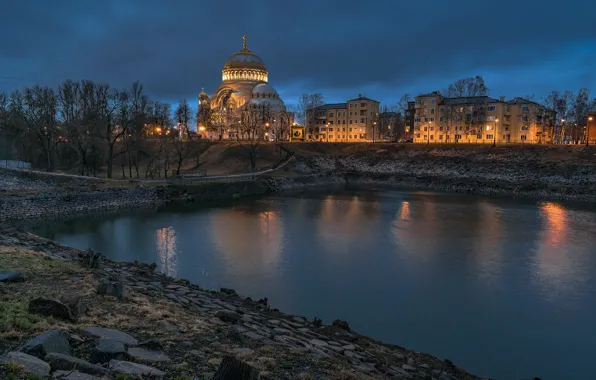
x=481, y=119
x=353, y=121
x=591, y=128
x=410, y=115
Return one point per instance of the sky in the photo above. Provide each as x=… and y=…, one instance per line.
x=380, y=48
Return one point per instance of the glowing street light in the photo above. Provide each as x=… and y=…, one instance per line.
x=495, y=133
x=588, y=130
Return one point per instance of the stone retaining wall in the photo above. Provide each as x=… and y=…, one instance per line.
x=61, y=204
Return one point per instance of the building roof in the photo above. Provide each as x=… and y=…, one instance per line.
x=470, y=100
x=434, y=93
x=330, y=106
x=360, y=97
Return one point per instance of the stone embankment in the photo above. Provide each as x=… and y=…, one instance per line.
x=67, y=314
x=539, y=172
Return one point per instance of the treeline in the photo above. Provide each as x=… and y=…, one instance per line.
x=88, y=125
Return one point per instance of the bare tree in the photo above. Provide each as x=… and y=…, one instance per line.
x=252, y=126
x=466, y=87
x=183, y=117
x=580, y=106
x=205, y=118
x=40, y=114
x=308, y=102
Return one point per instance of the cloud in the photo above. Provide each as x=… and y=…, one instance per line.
x=338, y=48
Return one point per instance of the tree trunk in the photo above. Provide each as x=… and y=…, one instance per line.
x=110, y=160
x=233, y=369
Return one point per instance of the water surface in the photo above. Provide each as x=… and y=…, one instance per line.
x=502, y=288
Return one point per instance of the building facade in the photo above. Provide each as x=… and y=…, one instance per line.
x=244, y=86
x=353, y=121
x=481, y=119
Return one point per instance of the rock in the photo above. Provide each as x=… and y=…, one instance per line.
x=74, y=375
x=234, y=369
x=49, y=341
x=8, y=276
x=108, y=349
x=425, y=366
x=254, y=335
x=228, y=316
x=411, y=361
x=111, y=288
x=187, y=343
x=408, y=368
x=69, y=363
x=274, y=322
x=169, y=327
x=299, y=319
x=154, y=344
x=341, y=324
x=92, y=259
x=50, y=307
x=318, y=342
x=148, y=356
x=75, y=303
x=349, y=347
x=33, y=365
x=134, y=369
x=243, y=350
x=105, y=333
x=227, y=291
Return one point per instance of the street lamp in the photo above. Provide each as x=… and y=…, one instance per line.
x=495, y=133
x=327, y=133
x=588, y=130
x=428, y=134
x=374, y=130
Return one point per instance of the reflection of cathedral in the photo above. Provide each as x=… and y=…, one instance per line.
x=244, y=86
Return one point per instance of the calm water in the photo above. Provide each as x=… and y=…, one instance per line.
x=503, y=288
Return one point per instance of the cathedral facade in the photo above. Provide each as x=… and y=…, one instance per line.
x=244, y=86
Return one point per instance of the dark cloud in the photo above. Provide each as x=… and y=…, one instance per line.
x=339, y=48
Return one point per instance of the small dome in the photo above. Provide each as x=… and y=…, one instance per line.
x=203, y=95
x=264, y=88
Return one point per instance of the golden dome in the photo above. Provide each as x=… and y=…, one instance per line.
x=203, y=95
x=245, y=65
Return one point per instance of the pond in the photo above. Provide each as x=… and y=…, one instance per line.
x=503, y=288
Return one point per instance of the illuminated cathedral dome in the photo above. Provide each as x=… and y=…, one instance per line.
x=244, y=66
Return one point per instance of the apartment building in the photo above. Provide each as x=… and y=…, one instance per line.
x=353, y=121
x=481, y=119
x=410, y=115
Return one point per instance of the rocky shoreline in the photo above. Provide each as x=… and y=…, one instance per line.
x=79, y=316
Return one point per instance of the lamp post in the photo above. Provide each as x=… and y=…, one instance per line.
x=374, y=130
x=428, y=134
x=327, y=133
x=562, y=131
x=495, y=133
x=588, y=130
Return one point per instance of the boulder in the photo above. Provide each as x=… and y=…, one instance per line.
x=8, y=276
x=111, y=288
x=92, y=259
x=75, y=375
x=108, y=349
x=135, y=369
x=147, y=356
x=50, y=307
x=75, y=303
x=33, y=365
x=342, y=325
x=49, y=341
x=70, y=363
x=105, y=333
x=228, y=316
x=234, y=369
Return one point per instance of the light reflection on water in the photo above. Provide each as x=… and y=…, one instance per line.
x=504, y=288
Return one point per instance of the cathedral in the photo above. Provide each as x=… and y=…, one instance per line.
x=244, y=85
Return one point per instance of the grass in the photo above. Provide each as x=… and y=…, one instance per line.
x=13, y=371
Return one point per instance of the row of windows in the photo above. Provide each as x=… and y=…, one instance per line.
x=459, y=137
x=324, y=129
x=355, y=113
x=362, y=121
